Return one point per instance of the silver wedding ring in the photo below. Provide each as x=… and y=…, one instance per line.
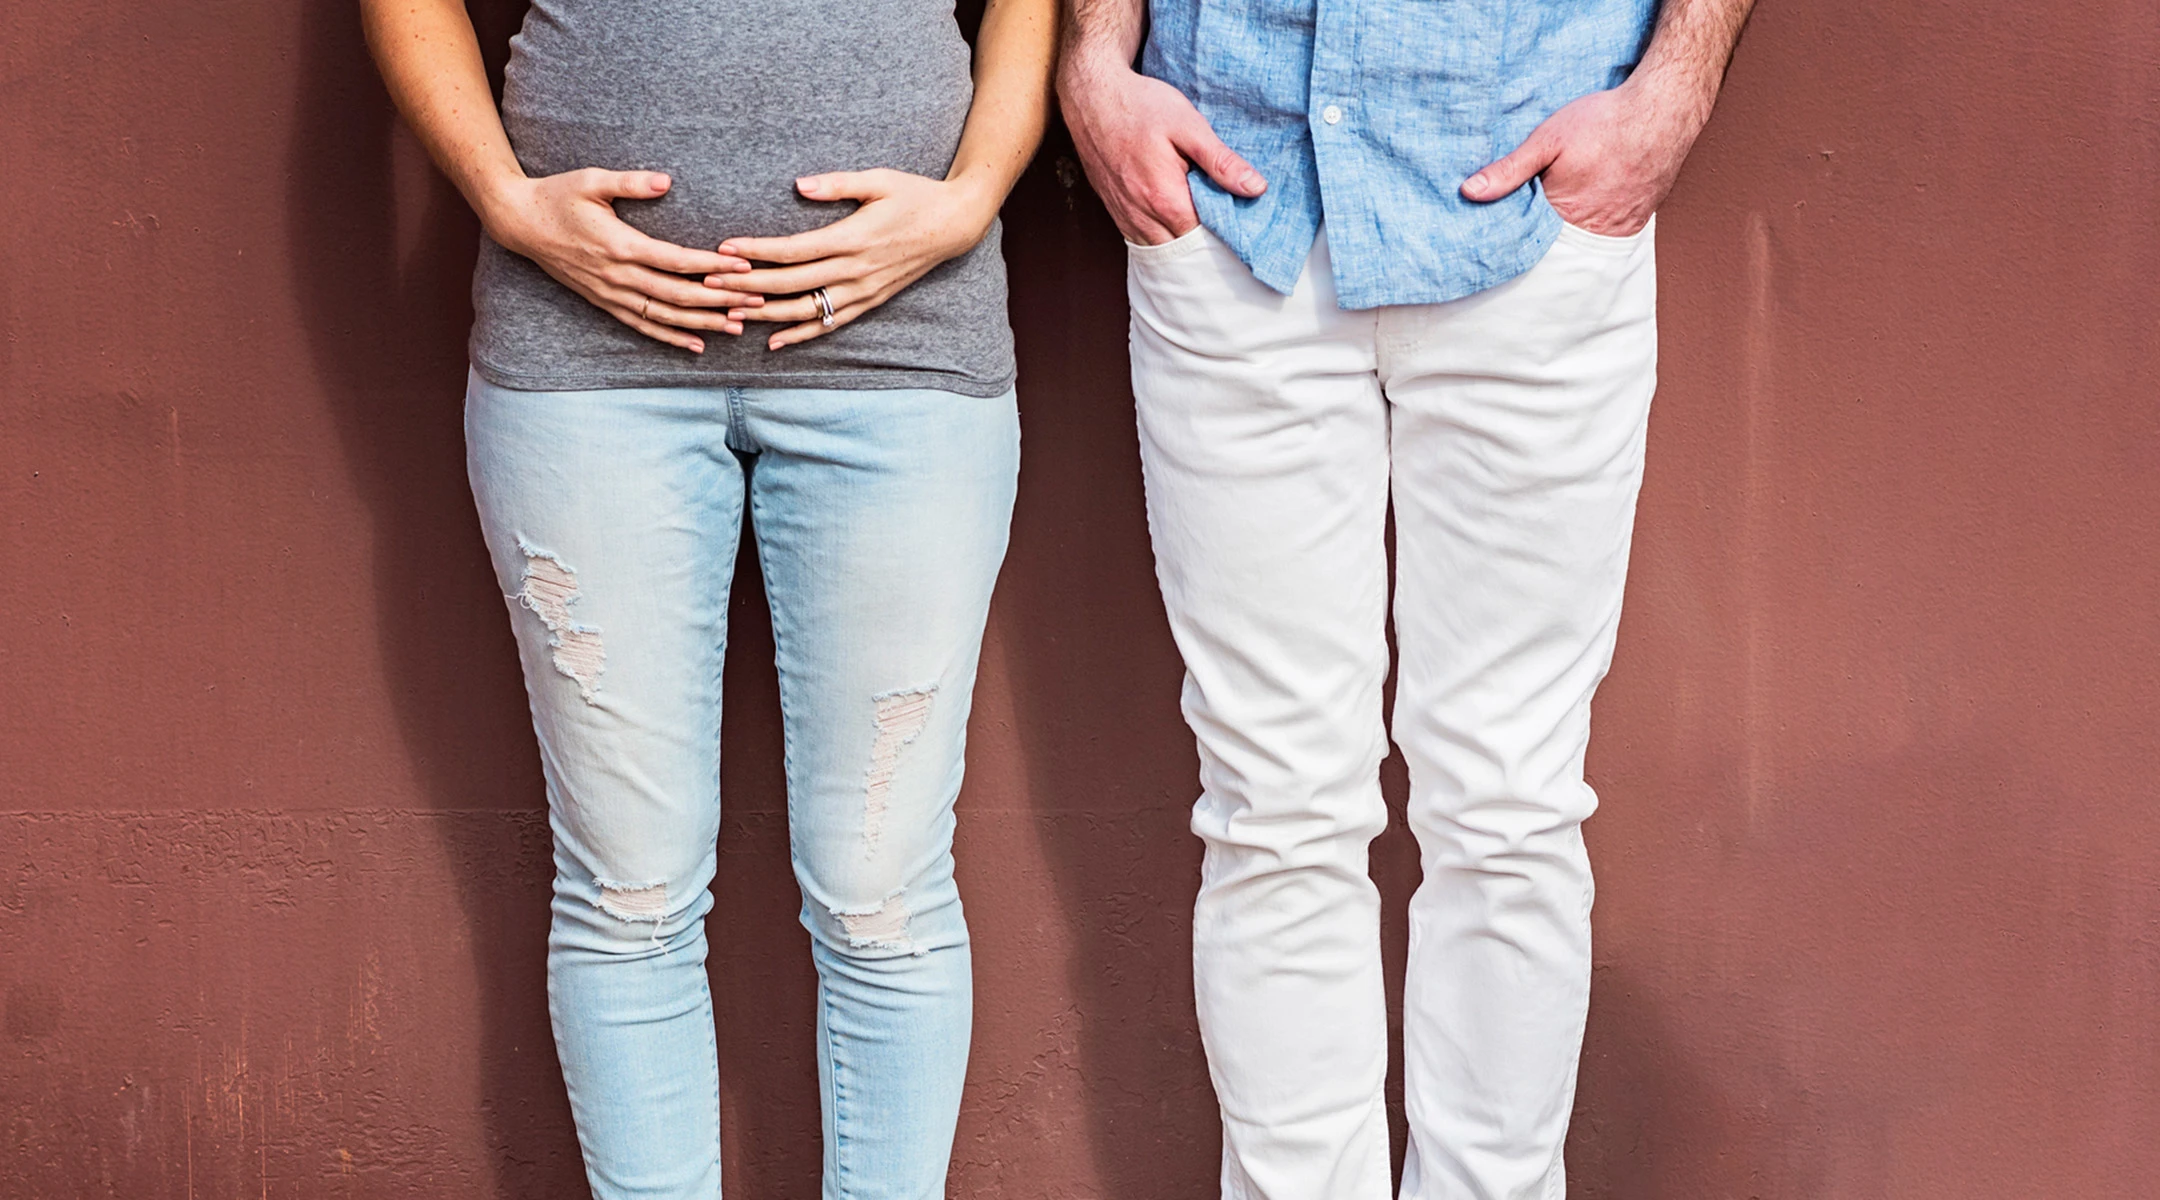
x=824, y=304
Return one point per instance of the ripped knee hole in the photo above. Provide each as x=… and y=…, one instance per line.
x=633, y=903
x=882, y=928
x=900, y=718
x=548, y=589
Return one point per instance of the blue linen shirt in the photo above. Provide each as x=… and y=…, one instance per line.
x=1369, y=114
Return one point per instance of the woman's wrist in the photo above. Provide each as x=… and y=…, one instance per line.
x=978, y=195
x=500, y=200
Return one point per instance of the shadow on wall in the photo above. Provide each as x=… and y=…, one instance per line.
x=381, y=249
x=1110, y=769
x=1112, y=772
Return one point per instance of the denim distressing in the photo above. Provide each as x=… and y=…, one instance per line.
x=613, y=518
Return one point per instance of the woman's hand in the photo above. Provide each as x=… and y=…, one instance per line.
x=567, y=224
x=907, y=224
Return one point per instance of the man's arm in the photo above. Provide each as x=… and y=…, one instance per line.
x=1136, y=135
x=1609, y=158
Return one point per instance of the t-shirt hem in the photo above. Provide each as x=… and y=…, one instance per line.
x=884, y=380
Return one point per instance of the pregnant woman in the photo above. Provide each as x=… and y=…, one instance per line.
x=743, y=256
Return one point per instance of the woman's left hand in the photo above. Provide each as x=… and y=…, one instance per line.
x=907, y=224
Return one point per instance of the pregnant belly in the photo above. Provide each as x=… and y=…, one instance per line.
x=732, y=177
x=735, y=102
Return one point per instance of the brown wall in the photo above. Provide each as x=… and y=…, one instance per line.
x=1880, y=851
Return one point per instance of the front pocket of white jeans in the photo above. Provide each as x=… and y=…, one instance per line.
x=1177, y=247
x=1187, y=291
x=1611, y=243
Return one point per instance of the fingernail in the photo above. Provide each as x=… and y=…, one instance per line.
x=728, y=248
x=697, y=347
x=735, y=329
x=1476, y=183
x=735, y=314
x=661, y=181
x=807, y=184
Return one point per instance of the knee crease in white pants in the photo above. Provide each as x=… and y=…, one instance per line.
x=549, y=589
x=884, y=927
x=900, y=719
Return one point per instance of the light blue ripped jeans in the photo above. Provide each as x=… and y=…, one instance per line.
x=880, y=521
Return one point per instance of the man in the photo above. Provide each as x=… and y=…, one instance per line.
x=1348, y=301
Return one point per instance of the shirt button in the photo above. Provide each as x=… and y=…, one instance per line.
x=1331, y=114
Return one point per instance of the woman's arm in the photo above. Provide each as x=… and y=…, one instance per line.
x=430, y=58
x=1014, y=52
x=907, y=223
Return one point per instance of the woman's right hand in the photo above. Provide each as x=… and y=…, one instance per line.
x=567, y=224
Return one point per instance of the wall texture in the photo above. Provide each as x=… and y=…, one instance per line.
x=1880, y=852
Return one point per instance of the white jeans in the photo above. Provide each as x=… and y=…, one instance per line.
x=1507, y=427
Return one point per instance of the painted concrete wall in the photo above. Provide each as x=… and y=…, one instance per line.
x=1880, y=852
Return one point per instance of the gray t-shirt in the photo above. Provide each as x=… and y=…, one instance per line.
x=735, y=101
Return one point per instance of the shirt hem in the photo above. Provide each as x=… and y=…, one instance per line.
x=1386, y=295
x=867, y=381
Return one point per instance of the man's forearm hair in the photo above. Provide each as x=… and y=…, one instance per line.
x=1692, y=44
